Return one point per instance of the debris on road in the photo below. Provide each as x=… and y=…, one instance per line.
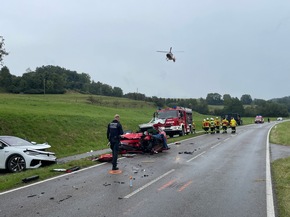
x=33, y=195
x=105, y=157
x=186, y=152
x=72, y=169
x=59, y=170
x=128, y=155
x=106, y=184
x=67, y=197
x=28, y=179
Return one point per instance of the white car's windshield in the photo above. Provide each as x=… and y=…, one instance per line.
x=14, y=141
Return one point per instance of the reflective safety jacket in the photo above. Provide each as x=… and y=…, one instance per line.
x=217, y=122
x=233, y=122
x=212, y=123
x=225, y=122
x=206, y=124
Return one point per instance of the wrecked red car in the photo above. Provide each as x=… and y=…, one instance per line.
x=140, y=142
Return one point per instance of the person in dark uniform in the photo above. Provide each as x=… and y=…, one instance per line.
x=114, y=132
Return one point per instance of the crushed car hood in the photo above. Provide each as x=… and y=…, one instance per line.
x=152, y=122
x=35, y=147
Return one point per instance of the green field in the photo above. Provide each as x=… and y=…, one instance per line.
x=71, y=123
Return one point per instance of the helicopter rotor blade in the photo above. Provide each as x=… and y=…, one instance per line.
x=162, y=51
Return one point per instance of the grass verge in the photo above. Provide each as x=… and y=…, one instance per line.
x=281, y=170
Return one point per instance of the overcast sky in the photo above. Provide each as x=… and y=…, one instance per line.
x=231, y=47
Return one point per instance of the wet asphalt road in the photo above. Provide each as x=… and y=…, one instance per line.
x=211, y=175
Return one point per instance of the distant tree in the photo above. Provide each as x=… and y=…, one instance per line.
x=251, y=111
x=202, y=106
x=137, y=96
x=107, y=90
x=159, y=102
x=192, y=103
x=284, y=100
x=214, y=99
x=227, y=98
x=272, y=109
x=2, y=50
x=117, y=92
x=234, y=106
x=259, y=102
x=246, y=99
x=96, y=88
x=5, y=78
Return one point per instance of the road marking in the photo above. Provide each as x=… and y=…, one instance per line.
x=195, y=157
x=184, y=186
x=216, y=145
x=269, y=190
x=226, y=139
x=148, y=184
x=166, y=184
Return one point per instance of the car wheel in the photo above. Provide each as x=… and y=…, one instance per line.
x=182, y=133
x=16, y=163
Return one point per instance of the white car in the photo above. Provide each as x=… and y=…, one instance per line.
x=17, y=154
x=280, y=119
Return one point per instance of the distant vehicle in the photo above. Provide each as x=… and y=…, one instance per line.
x=169, y=54
x=236, y=116
x=280, y=119
x=17, y=154
x=259, y=119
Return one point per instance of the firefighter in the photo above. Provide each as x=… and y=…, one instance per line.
x=217, y=124
x=225, y=124
x=205, y=125
x=193, y=127
x=233, y=125
x=212, y=126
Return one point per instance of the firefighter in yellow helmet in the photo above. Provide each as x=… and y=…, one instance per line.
x=205, y=125
x=225, y=124
x=233, y=125
x=193, y=126
x=217, y=124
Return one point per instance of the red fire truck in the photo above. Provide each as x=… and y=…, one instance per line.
x=174, y=121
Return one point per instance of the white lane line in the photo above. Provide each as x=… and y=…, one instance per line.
x=216, y=145
x=148, y=184
x=56, y=177
x=269, y=190
x=195, y=157
x=226, y=139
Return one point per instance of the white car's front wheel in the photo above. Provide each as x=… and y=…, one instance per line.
x=16, y=163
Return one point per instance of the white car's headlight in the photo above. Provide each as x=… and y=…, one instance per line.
x=33, y=153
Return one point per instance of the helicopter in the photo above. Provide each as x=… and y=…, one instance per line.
x=169, y=54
